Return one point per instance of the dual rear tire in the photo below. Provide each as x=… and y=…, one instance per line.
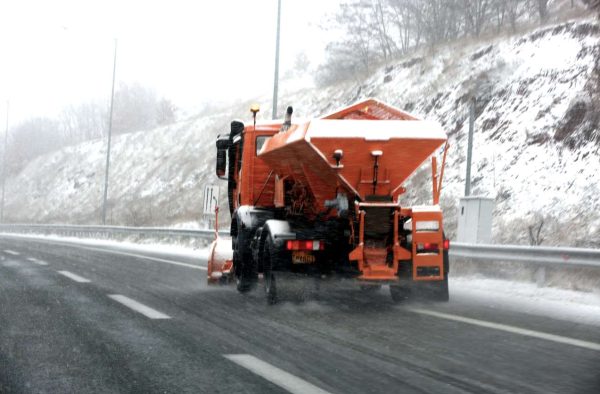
x=270, y=282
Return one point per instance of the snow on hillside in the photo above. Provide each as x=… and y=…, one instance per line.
x=536, y=145
x=155, y=178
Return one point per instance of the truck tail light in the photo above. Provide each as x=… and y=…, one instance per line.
x=446, y=244
x=304, y=244
x=428, y=248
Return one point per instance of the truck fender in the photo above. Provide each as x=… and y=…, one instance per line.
x=244, y=223
x=279, y=231
x=249, y=218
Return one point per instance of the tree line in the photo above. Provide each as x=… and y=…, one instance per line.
x=375, y=31
x=135, y=108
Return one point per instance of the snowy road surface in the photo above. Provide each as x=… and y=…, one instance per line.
x=76, y=318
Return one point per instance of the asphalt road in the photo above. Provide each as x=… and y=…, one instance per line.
x=76, y=319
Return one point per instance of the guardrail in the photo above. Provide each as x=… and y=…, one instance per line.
x=539, y=255
x=542, y=256
x=106, y=232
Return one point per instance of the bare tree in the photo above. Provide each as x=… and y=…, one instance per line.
x=593, y=5
x=84, y=122
x=542, y=6
x=165, y=112
x=476, y=15
x=514, y=10
x=356, y=54
x=408, y=19
x=377, y=30
x=380, y=24
x=499, y=12
x=441, y=20
x=138, y=108
x=31, y=138
x=535, y=229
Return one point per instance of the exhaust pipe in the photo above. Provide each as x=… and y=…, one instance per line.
x=287, y=122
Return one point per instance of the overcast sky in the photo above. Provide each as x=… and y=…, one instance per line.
x=60, y=52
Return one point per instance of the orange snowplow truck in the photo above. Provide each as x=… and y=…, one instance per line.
x=322, y=199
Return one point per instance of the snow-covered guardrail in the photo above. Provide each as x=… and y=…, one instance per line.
x=539, y=257
x=543, y=256
x=106, y=231
x=548, y=256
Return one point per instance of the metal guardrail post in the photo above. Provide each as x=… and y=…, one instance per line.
x=540, y=276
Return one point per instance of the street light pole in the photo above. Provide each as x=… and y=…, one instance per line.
x=276, y=82
x=110, y=116
x=4, y=164
x=470, y=146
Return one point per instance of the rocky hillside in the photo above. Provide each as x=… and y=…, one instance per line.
x=536, y=151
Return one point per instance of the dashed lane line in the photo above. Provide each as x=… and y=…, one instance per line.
x=74, y=277
x=36, y=261
x=139, y=307
x=511, y=329
x=12, y=252
x=277, y=376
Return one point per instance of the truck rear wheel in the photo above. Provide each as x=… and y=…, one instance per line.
x=247, y=276
x=284, y=286
x=269, y=277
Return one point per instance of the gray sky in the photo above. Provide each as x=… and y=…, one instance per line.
x=56, y=53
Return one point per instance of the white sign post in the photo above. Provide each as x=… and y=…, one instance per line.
x=211, y=202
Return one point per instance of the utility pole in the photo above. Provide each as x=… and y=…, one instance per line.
x=470, y=146
x=4, y=163
x=276, y=82
x=110, y=116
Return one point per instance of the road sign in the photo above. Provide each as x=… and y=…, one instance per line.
x=211, y=199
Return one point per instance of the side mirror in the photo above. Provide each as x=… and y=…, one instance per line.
x=221, y=162
x=222, y=146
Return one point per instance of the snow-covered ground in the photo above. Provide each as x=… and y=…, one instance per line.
x=153, y=247
x=536, y=147
x=561, y=304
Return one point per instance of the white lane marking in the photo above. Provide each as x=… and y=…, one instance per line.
x=36, y=261
x=511, y=329
x=12, y=252
x=138, y=307
x=283, y=379
x=74, y=277
x=198, y=267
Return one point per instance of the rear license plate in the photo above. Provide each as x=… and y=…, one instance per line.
x=302, y=258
